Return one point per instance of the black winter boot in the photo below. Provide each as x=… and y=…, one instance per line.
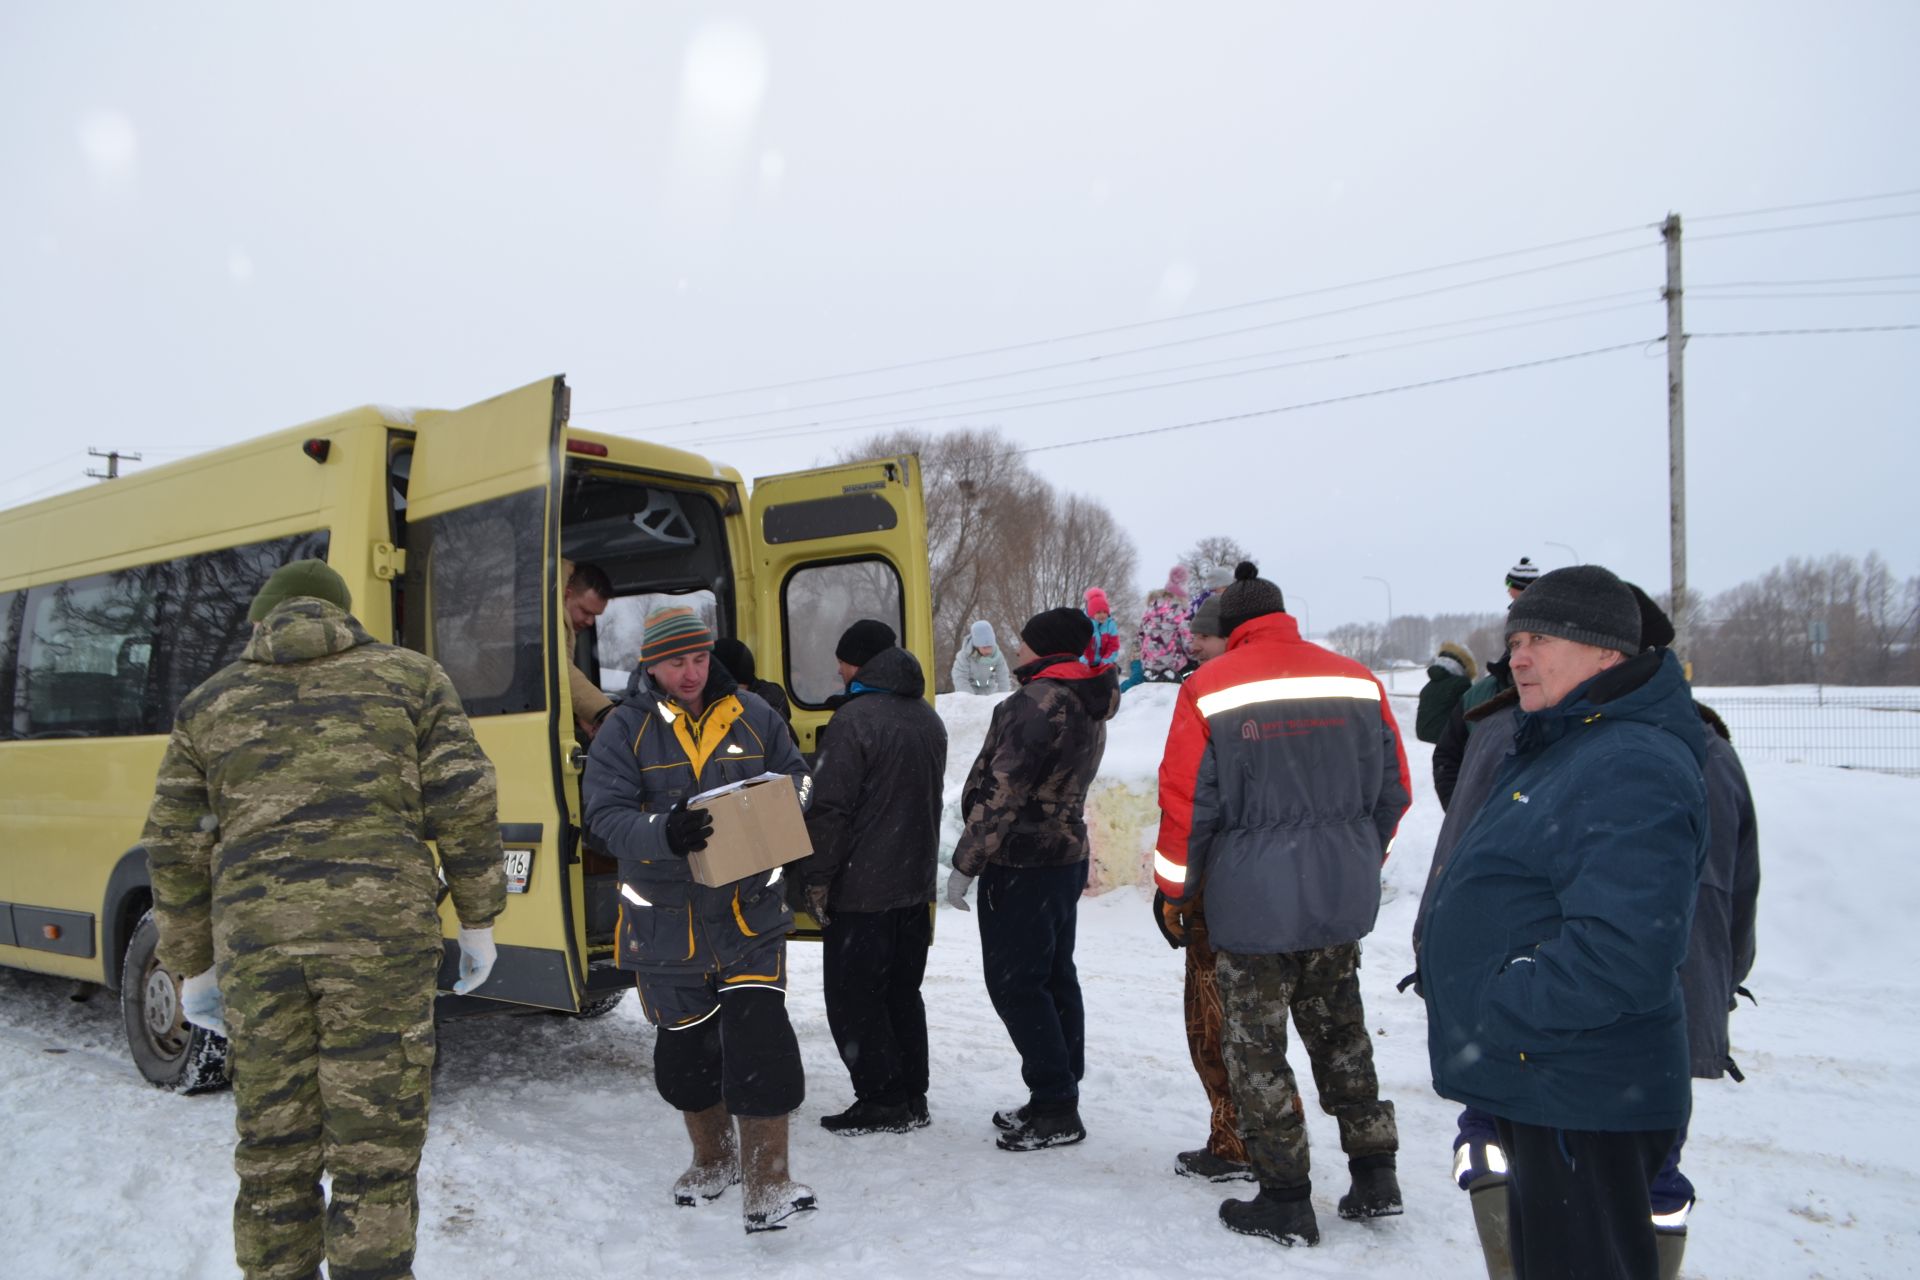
x=1375, y=1192
x=869, y=1117
x=1278, y=1213
x=1011, y=1118
x=1203, y=1164
x=1049, y=1128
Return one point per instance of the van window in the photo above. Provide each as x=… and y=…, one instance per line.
x=114, y=653
x=85, y=650
x=818, y=603
x=473, y=583
x=13, y=606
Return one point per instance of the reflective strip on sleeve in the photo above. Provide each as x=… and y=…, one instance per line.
x=1288, y=689
x=1167, y=869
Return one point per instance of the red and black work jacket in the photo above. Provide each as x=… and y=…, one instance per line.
x=1282, y=785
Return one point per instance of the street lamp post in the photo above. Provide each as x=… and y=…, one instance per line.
x=1571, y=553
x=1389, y=635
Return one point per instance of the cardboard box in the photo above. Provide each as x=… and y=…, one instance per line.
x=757, y=826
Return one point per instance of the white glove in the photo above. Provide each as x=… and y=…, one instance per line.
x=477, y=954
x=200, y=1002
x=957, y=885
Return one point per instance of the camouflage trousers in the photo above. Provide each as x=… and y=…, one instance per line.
x=332, y=1061
x=1322, y=990
x=1204, y=1018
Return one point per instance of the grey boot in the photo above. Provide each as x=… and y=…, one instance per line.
x=769, y=1196
x=716, y=1162
x=1489, y=1194
x=1670, y=1245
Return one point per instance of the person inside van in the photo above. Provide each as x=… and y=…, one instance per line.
x=738, y=660
x=585, y=597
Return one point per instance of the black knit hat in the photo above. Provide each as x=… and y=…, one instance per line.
x=735, y=657
x=1055, y=631
x=1585, y=603
x=1656, y=628
x=861, y=641
x=1250, y=596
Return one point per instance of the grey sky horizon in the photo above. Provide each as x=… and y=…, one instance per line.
x=227, y=219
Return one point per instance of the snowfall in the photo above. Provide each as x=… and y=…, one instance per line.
x=551, y=1153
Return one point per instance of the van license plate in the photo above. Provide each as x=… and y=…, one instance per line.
x=518, y=862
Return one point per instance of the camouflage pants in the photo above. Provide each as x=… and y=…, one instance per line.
x=332, y=1060
x=1204, y=1018
x=1322, y=989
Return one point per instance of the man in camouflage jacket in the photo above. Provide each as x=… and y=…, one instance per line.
x=292, y=879
x=1026, y=839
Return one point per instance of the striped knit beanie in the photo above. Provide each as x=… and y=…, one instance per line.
x=673, y=631
x=1521, y=576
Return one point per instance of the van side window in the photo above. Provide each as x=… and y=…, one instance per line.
x=13, y=607
x=114, y=653
x=473, y=578
x=820, y=601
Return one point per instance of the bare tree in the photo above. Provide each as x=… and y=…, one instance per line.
x=1215, y=549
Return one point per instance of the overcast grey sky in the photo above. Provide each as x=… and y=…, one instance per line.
x=219, y=220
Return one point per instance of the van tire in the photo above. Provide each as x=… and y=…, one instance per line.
x=170, y=1053
x=602, y=1007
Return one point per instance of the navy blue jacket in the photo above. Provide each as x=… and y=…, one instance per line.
x=1557, y=927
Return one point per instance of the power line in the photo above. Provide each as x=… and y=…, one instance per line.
x=1805, y=226
x=1791, y=333
x=1795, y=208
x=1179, y=342
x=1790, y=284
x=915, y=418
x=1358, y=395
x=1142, y=373
x=1140, y=324
x=1844, y=293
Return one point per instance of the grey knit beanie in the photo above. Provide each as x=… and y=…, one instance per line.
x=1585, y=603
x=1251, y=596
x=1206, y=619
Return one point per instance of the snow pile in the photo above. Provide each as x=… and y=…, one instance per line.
x=551, y=1153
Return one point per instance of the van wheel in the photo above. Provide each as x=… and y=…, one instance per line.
x=169, y=1051
x=602, y=1007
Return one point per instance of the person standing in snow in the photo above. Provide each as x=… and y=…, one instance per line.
x=1164, y=644
x=1282, y=785
x=980, y=667
x=1555, y=929
x=1224, y=1156
x=1720, y=953
x=1025, y=839
x=1449, y=676
x=875, y=826
x=287, y=848
x=689, y=727
x=1103, y=651
x=1450, y=746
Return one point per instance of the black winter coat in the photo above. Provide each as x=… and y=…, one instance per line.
x=875, y=820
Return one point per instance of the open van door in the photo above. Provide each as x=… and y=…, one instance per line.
x=830, y=547
x=481, y=598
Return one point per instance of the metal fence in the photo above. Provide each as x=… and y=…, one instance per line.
x=1879, y=731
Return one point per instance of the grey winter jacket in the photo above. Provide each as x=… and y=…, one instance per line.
x=875, y=820
x=973, y=673
x=1493, y=723
x=637, y=769
x=1721, y=947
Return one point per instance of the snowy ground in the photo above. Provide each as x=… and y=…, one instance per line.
x=551, y=1154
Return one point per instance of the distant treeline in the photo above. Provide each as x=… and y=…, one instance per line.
x=1760, y=632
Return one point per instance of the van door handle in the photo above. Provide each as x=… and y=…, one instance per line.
x=578, y=758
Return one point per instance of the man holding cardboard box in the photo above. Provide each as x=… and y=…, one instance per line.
x=709, y=958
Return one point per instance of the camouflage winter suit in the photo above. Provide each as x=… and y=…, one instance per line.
x=286, y=845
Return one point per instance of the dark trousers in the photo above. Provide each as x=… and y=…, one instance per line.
x=744, y=1054
x=1577, y=1201
x=873, y=962
x=1027, y=918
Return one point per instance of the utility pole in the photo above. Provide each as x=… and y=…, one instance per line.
x=113, y=457
x=1676, y=436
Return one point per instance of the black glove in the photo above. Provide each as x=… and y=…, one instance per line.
x=687, y=829
x=1171, y=917
x=817, y=904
